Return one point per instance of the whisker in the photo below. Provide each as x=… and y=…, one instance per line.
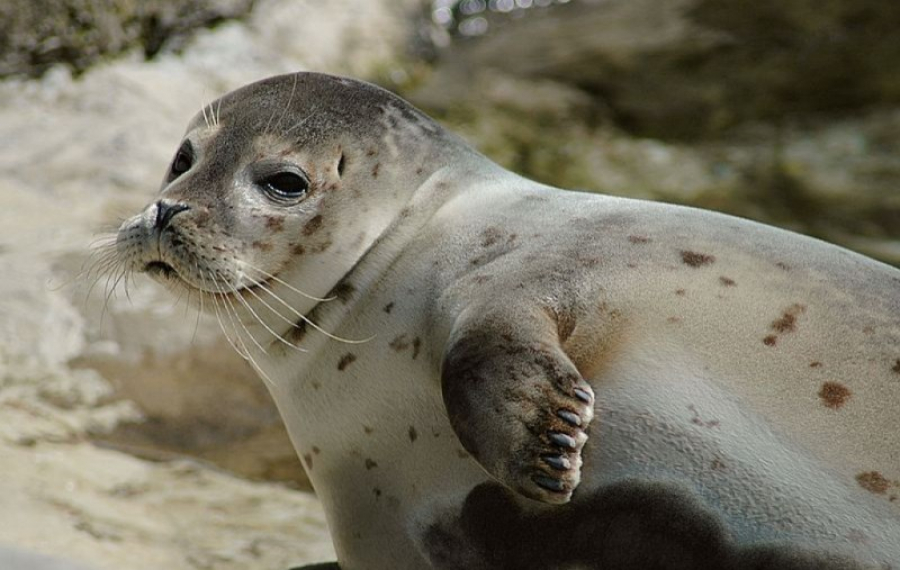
x=256, y=316
x=249, y=358
x=111, y=290
x=290, y=100
x=275, y=278
x=237, y=318
x=200, y=296
x=307, y=320
x=101, y=255
x=300, y=123
x=218, y=313
x=278, y=314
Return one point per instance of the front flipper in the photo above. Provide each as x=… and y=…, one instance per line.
x=516, y=401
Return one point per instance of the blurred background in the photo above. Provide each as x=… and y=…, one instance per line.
x=131, y=435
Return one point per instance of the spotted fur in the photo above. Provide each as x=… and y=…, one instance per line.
x=536, y=378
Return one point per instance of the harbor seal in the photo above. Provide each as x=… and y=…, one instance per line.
x=480, y=371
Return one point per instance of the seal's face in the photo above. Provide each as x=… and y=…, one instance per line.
x=269, y=197
x=226, y=231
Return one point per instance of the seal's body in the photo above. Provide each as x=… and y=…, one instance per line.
x=506, y=375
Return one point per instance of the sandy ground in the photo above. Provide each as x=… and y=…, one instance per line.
x=76, y=155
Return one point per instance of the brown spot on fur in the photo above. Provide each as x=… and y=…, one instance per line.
x=417, y=345
x=346, y=361
x=297, y=333
x=419, y=171
x=680, y=292
x=316, y=450
x=370, y=464
x=858, y=537
x=874, y=482
x=371, y=152
x=698, y=421
x=673, y=320
x=694, y=259
x=399, y=343
x=639, y=239
x=815, y=364
x=375, y=169
x=413, y=434
x=343, y=291
x=298, y=249
x=727, y=281
x=368, y=430
x=376, y=491
x=389, y=307
x=770, y=340
x=783, y=266
x=868, y=330
x=717, y=465
x=481, y=279
x=275, y=223
x=788, y=321
x=834, y=395
x=307, y=459
x=313, y=225
x=896, y=366
x=490, y=236
x=262, y=245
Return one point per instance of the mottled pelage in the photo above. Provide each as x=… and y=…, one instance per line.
x=482, y=372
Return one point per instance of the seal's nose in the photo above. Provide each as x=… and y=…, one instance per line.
x=165, y=211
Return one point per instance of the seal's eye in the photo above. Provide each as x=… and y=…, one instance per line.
x=184, y=159
x=285, y=186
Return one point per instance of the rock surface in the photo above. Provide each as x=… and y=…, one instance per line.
x=38, y=34
x=694, y=68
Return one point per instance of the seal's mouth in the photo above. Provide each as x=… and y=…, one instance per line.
x=160, y=268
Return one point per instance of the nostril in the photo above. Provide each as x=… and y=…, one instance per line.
x=165, y=211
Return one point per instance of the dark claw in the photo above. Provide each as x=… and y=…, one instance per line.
x=562, y=440
x=583, y=395
x=569, y=417
x=557, y=462
x=549, y=483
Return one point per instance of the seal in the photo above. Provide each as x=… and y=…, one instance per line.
x=480, y=371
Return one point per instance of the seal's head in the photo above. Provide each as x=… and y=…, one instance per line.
x=296, y=174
